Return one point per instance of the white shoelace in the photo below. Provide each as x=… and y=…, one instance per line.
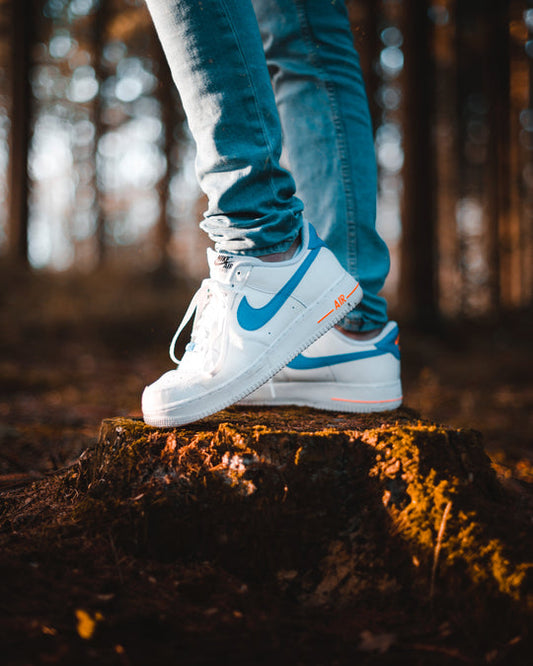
x=210, y=304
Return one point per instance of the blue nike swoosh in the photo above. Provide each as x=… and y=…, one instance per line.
x=252, y=319
x=302, y=362
x=388, y=345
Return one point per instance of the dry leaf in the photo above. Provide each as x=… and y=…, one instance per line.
x=86, y=623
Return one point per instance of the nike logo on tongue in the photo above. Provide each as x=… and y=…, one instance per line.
x=225, y=261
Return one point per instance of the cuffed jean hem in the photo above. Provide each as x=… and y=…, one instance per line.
x=261, y=252
x=253, y=240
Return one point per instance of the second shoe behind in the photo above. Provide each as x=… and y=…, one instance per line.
x=338, y=373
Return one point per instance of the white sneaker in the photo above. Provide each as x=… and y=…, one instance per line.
x=252, y=318
x=338, y=373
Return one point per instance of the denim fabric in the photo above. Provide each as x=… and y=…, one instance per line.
x=327, y=136
x=236, y=106
x=216, y=57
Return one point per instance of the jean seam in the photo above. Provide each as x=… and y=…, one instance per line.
x=349, y=199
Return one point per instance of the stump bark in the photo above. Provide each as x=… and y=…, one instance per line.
x=331, y=509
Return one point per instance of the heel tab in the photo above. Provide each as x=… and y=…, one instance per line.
x=391, y=342
x=314, y=239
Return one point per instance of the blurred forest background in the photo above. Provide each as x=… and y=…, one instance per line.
x=100, y=253
x=97, y=165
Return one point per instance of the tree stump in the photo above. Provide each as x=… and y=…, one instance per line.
x=331, y=509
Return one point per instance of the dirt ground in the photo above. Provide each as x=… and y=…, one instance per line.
x=76, y=351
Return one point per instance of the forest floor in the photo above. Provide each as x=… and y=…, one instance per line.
x=76, y=351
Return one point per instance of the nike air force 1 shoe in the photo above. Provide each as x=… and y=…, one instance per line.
x=339, y=374
x=252, y=317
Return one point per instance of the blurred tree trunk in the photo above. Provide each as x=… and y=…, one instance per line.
x=503, y=249
x=373, y=81
x=464, y=84
x=418, y=278
x=446, y=160
x=100, y=35
x=526, y=193
x=164, y=93
x=364, y=18
x=22, y=15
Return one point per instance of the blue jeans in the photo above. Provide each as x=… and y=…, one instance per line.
x=306, y=95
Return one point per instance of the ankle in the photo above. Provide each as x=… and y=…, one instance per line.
x=282, y=256
x=358, y=335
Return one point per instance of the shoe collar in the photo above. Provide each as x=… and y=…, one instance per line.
x=390, y=330
x=225, y=267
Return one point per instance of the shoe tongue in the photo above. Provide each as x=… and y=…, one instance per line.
x=221, y=265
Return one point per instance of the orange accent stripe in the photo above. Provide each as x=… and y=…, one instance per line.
x=326, y=315
x=356, y=287
x=367, y=402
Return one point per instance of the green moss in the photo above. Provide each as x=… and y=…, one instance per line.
x=466, y=537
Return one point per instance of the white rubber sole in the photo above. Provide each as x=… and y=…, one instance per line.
x=313, y=322
x=329, y=396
